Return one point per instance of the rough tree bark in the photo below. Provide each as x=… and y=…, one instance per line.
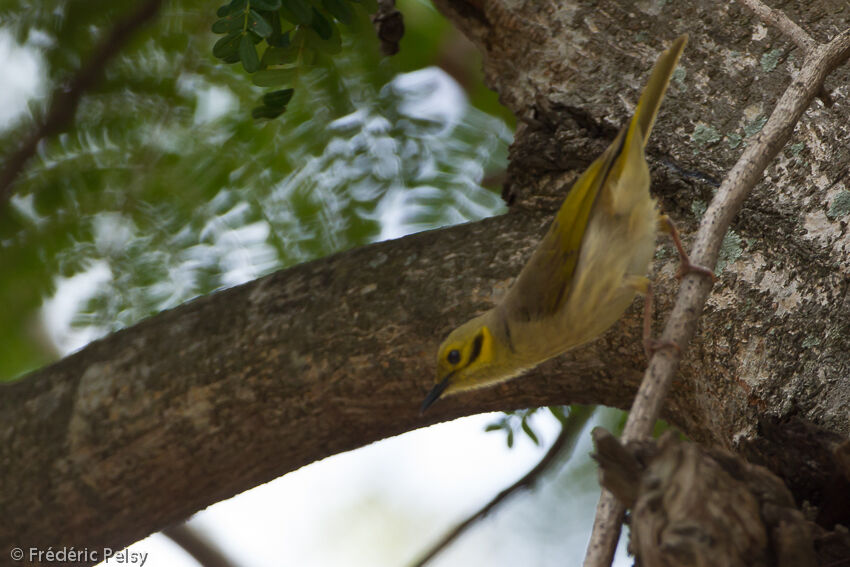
x=149, y=425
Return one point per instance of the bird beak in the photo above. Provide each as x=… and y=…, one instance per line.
x=435, y=393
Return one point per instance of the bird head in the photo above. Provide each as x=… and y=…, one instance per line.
x=464, y=360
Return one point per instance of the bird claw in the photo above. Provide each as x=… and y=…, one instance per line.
x=686, y=267
x=651, y=346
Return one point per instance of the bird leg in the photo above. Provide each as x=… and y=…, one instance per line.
x=643, y=286
x=665, y=224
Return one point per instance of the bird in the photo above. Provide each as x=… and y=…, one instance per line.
x=586, y=270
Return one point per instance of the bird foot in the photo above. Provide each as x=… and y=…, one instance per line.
x=651, y=346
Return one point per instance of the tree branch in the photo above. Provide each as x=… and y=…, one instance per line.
x=783, y=23
x=199, y=403
x=684, y=497
x=561, y=448
x=199, y=547
x=202, y=402
x=681, y=326
x=66, y=97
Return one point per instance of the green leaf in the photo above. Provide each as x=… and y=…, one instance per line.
x=558, y=412
x=266, y=112
x=248, y=54
x=340, y=10
x=231, y=58
x=276, y=38
x=258, y=24
x=223, y=11
x=530, y=432
x=275, y=77
x=371, y=6
x=228, y=45
x=321, y=24
x=278, y=99
x=303, y=40
x=297, y=11
x=279, y=40
x=510, y=439
x=269, y=5
x=493, y=427
x=279, y=55
x=48, y=200
x=330, y=45
x=231, y=23
x=297, y=37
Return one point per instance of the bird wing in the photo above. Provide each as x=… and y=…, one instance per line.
x=544, y=283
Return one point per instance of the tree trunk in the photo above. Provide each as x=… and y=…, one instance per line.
x=143, y=428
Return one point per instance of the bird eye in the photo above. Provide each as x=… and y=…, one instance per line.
x=453, y=357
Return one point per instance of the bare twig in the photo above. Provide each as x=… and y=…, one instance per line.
x=562, y=446
x=606, y=530
x=196, y=545
x=786, y=25
x=726, y=204
x=820, y=61
x=66, y=97
x=783, y=23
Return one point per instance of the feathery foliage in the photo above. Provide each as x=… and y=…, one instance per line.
x=164, y=188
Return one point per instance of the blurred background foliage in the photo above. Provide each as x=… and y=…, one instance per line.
x=164, y=188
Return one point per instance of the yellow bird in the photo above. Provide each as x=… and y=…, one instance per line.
x=583, y=274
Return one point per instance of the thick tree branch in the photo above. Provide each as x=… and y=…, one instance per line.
x=66, y=97
x=155, y=422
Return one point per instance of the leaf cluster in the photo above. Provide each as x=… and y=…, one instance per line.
x=275, y=40
x=164, y=191
x=514, y=422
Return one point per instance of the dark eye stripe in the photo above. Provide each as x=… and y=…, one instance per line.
x=476, y=348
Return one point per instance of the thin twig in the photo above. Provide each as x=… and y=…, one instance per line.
x=196, y=545
x=605, y=534
x=681, y=326
x=783, y=23
x=562, y=446
x=66, y=97
x=786, y=25
x=726, y=204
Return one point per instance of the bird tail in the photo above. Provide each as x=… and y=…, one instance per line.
x=653, y=93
